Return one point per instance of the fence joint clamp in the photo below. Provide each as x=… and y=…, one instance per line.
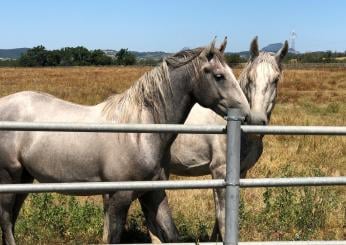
x=231, y=184
x=234, y=118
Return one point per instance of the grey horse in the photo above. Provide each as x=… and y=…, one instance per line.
x=196, y=155
x=166, y=94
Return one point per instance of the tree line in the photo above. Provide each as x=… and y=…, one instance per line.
x=317, y=57
x=81, y=56
x=78, y=56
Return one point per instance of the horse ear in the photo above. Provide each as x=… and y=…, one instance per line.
x=254, y=51
x=223, y=45
x=280, y=55
x=208, y=51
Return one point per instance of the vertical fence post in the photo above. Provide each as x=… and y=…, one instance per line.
x=234, y=118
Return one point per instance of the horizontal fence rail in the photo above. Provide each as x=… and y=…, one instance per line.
x=294, y=130
x=296, y=181
x=167, y=128
x=112, y=127
x=103, y=187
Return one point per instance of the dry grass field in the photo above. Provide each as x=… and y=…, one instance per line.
x=306, y=97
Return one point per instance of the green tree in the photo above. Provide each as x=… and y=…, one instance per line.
x=98, y=57
x=81, y=56
x=37, y=56
x=66, y=55
x=124, y=57
x=53, y=58
x=234, y=59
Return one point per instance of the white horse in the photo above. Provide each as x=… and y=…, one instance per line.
x=196, y=155
x=164, y=95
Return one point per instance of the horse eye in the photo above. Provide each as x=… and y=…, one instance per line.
x=218, y=77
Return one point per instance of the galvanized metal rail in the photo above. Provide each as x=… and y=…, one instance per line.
x=294, y=130
x=167, y=128
x=112, y=128
x=232, y=183
x=104, y=187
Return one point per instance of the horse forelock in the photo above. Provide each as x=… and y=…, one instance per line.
x=249, y=72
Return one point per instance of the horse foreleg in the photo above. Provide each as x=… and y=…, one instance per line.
x=158, y=216
x=6, y=202
x=218, y=171
x=6, y=207
x=220, y=204
x=20, y=198
x=216, y=232
x=106, y=234
x=219, y=225
x=116, y=207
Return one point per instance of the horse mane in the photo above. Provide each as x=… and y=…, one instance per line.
x=153, y=89
x=263, y=56
x=146, y=91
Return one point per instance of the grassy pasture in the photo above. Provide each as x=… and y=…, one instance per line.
x=306, y=97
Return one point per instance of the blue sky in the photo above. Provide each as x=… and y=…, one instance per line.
x=149, y=25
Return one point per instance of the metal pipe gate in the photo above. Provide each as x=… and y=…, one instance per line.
x=232, y=183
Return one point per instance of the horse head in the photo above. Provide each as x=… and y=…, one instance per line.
x=259, y=81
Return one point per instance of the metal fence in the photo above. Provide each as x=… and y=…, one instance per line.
x=232, y=183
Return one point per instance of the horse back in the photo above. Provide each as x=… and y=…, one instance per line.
x=38, y=106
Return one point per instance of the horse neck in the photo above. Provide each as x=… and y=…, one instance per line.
x=181, y=102
x=171, y=101
x=161, y=95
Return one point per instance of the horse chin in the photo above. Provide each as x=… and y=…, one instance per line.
x=220, y=110
x=257, y=118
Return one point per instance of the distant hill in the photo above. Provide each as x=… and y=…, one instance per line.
x=156, y=55
x=244, y=54
x=274, y=47
x=12, y=53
